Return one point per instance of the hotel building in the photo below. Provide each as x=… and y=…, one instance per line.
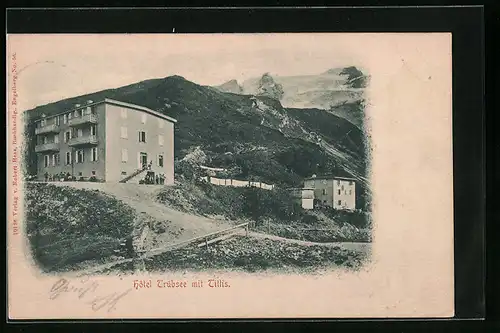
x=336, y=192
x=110, y=140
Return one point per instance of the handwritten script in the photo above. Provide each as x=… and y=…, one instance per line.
x=88, y=291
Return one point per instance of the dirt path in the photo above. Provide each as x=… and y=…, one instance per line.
x=356, y=246
x=142, y=199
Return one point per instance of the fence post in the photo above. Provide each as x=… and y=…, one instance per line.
x=206, y=243
x=246, y=230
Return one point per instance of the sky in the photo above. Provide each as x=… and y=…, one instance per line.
x=53, y=67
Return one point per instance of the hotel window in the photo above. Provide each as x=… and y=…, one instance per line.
x=80, y=156
x=160, y=123
x=338, y=182
x=65, y=118
x=123, y=133
x=160, y=140
x=43, y=123
x=123, y=113
x=58, y=120
x=44, y=140
x=124, y=173
x=70, y=115
x=93, y=130
x=124, y=155
x=82, y=112
x=160, y=160
x=75, y=114
x=324, y=191
x=339, y=192
x=54, y=159
x=350, y=192
x=342, y=187
x=56, y=138
x=143, y=118
x=79, y=133
x=93, y=154
x=340, y=202
x=67, y=136
x=46, y=160
x=68, y=158
x=142, y=136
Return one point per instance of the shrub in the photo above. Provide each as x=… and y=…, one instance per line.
x=233, y=202
x=187, y=169
x=309, y=219
x=356, y=218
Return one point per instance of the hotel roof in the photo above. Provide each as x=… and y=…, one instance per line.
x=118, y=103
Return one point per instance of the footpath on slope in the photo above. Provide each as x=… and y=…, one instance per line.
x=181, y=226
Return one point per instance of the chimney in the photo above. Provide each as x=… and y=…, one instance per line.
x=90, y=101
x=77, y=105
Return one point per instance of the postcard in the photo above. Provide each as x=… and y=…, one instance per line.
x=195, y=176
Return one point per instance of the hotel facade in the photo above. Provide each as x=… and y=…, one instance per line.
x=109, y=140
x=336, y=192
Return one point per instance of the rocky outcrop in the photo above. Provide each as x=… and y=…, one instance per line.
x=231, y=86
x=268, y=87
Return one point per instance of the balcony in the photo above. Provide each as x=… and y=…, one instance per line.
x=47, y=147
x=86, y=119
x=88, y=140
x=47, y=129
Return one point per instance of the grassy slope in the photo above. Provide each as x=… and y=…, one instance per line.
x=251, y=255
x=66, y=226
x=248, y=254
x=273, y=211
x=71, y=228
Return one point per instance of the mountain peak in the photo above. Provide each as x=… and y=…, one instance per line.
x=268, y=87
x=175, y=77
x=231, y=86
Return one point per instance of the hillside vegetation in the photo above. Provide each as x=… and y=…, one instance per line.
x=273, y=211
x=66, y=226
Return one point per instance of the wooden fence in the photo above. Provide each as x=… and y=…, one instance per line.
x=237, y=183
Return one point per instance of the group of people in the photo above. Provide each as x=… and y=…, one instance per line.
x=66, y=177
x=58, y=177
x=151, y=178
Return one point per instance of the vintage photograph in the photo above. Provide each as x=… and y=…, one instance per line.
x=164, y=154
x=180, y=175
